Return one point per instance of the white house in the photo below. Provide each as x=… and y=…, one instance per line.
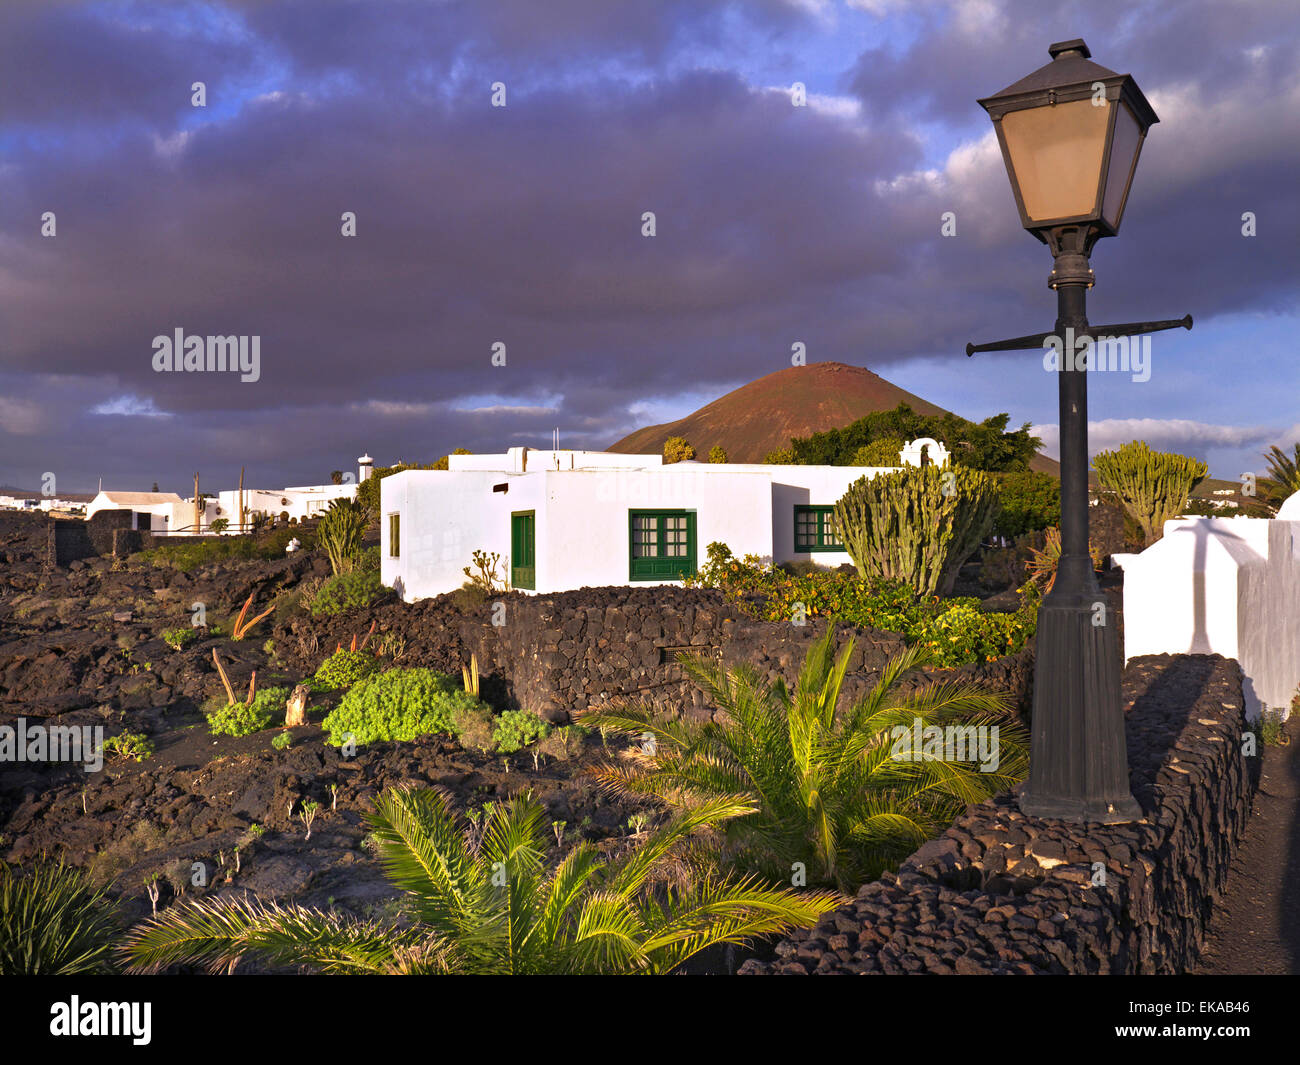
x=300, y=503
x=569, y=519
x=1228, y=586
x=156, y=512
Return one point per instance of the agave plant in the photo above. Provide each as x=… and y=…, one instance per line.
x=54, y=921
x=831, y=795
x=485, y=900
x=1043, y=561
x=341, y=532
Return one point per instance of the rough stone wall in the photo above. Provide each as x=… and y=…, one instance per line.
x=557, y=653
x=1003, y=893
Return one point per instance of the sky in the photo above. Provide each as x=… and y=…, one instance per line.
x=128, y=213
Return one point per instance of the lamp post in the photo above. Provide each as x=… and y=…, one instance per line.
x=1070, y=135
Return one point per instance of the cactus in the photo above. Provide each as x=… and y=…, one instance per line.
x=340, y=533
x=1153, y=486
x=917, y=525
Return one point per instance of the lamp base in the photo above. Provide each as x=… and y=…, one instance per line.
x=1078, y=764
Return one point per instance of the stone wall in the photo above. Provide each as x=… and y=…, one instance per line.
x=106, y=533
x=567, y=651
x=1003, y=893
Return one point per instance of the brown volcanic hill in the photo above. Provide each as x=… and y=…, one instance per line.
x=766, y=414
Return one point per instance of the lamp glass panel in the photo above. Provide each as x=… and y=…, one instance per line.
x=1123, y=158
x=1056, y=153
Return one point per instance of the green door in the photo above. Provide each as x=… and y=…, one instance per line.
x=523, y=550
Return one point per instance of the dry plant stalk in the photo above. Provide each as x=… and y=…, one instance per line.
x=242, y=628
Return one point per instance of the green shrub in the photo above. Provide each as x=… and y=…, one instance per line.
x=918, y=524
x=347, y=591
x=517, y=729
x=54, y=922
x=1030, y=501
x=968, y=635
x=134, y=745
x=283, y=740
x=342, y=670
x=190, y=554
x=473, y=726
x=243, y=719
x=180, y=638
x=717, y=453
x=399, y=704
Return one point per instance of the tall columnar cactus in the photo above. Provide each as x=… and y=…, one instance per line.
x=1153, y=486
x=917, y=525
x=340, y=533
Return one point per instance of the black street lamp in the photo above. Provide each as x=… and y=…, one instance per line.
x=1070, y=135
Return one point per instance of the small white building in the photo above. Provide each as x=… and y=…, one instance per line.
x=1228, y=586
x=570, y=519
x=154, y=512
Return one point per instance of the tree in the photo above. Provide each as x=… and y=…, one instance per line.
x=984, y=445
x=368, y=491
x=1152, y=486
x=1283, y=478
x=444, y=463
x=1030, y=500
x=827, y=786
x=882, y=452
x=717, y=453
x=782, y=456
x=336, y=477
x=916, y=525
x=482, y=898
x=676, y=449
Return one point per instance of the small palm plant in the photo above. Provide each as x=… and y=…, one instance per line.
x=54, y=921
x=487, y=901
x=830, y=796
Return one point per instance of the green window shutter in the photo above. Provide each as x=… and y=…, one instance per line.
x=523, y=550
x=814, y=529
x=395, y=536
x=661, y=545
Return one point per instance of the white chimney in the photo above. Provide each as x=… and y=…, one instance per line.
x=366, y=466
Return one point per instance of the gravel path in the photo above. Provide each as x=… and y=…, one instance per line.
x=1256, y=929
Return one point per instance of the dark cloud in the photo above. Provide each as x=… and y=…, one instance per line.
x=522, y=225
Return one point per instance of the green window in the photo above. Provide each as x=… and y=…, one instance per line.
x=814, y=529
x=523, y=549
x=394, y=536
x=661, y=544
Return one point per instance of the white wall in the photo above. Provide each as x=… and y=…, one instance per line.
x=583, y=537
x=446, y=517
x=1228, y=586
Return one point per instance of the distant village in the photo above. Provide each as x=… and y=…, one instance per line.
x=229, y=512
